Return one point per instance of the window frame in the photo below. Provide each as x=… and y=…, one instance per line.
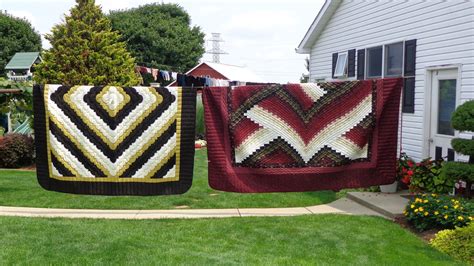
x=385, y=60
x=367, y=62
x=345, y=69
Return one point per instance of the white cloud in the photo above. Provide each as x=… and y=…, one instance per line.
x=259, y=21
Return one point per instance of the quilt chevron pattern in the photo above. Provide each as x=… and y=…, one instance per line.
x=302, y=137
x=114, y=141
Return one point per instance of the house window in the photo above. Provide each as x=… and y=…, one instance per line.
x=341, y=65
x=374, y=62
x=394, y=60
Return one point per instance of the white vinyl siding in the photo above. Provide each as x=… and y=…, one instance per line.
x=445, y=35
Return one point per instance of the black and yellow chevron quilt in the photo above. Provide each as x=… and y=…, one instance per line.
x=114, y=140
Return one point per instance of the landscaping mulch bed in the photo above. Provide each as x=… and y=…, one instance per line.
x=425, y=235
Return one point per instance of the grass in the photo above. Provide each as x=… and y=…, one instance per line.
x=302, y=240
x=20, y=188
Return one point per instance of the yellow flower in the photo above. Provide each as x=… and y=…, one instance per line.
x=471, y=218
x=460, y=218
x=416, y=210
x=456, y=206
x=425, y=201
x=426, y=213
x=412, y=206
x=452, y=200
x=433, y=195
x=438, y=200
x=421, y=209
x=445, y=206
x=405, y=213
x=436, y=212
x=446, y=217
x=417, y=200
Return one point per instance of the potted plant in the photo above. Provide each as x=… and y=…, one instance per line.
x=405, y=169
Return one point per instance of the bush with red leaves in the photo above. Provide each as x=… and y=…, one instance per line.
x=16, y=150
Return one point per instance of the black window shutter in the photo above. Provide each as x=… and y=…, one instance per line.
x=361, y=64
x=334, y=61
x=409, y=95
x=351, y=68
x=410, y=58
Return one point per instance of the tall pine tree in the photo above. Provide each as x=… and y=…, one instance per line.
x=85, y=51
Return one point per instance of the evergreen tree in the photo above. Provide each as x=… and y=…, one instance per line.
x=463, y=120
x=85, y=51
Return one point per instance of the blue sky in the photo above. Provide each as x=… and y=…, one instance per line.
x=258, y=34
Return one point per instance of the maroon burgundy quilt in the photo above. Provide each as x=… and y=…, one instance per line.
x=302, y=137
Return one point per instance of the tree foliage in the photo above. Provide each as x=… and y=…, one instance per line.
x=305, y=77
x=85, y=50
x=463, y=120
x=16, y=35
x=160, y=35
x=19, y=105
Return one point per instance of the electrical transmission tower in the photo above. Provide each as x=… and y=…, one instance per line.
x=216, y=47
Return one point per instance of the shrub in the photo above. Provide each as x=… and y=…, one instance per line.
x=458, y=243
x=463, y=117
x=463, y=120
x=16, y=150
x=430, y=211
x=427, y=177
x=406, y=169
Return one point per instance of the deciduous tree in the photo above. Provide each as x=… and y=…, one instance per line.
x=160, y=35
x=16, y=35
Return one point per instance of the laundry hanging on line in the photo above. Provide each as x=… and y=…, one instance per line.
x=185, y=80
x=307, y=137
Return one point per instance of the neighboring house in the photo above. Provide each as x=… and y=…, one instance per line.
x=224, y=72
x=19, y=68
x=429, y=43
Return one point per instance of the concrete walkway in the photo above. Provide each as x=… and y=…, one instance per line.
x=341, y=206
x=390, y=205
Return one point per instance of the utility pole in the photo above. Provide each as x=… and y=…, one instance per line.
x=216, y=47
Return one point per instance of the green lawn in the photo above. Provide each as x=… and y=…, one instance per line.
x=20, y=188
x=317, y=239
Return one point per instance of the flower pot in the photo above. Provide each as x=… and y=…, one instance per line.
x=391, y=188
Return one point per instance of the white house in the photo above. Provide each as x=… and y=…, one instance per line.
x=429, y=43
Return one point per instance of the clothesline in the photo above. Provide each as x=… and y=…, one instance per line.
x=185, y=79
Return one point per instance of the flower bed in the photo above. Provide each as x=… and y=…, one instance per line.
x=430, y=211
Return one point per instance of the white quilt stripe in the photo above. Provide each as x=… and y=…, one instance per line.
x=348, y=148
x=274, y=127
x=68, y=156
x=253, y=143
x=157, y=158
x=171, y=173
x=97, y=154
x=112, y=135
x=55, y=171
x=313, y=91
